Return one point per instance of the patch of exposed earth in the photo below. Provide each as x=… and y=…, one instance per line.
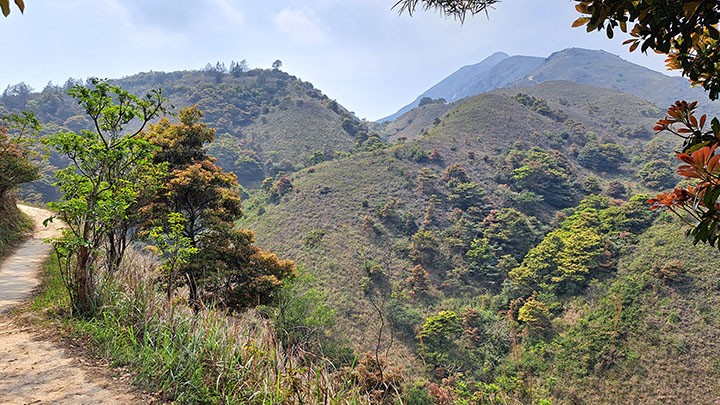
x=34, y=369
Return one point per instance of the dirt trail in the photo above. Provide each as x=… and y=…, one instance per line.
x=37, y=371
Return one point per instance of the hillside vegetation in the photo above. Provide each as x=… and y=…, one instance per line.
x=16, y=167
x=476, y=224
x=488, y=249
x=267, y=121
x=13, y=226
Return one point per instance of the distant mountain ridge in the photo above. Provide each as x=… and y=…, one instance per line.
x=583, y=66
x=456, y=86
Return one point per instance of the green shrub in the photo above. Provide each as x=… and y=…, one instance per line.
x=209, y=357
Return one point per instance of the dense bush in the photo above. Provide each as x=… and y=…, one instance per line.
x=547, y=174
x=606, y=157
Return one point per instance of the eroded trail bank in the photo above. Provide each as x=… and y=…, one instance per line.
x=34, y=370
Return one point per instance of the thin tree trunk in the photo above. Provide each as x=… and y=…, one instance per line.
x=85, y=288
x=194, y=299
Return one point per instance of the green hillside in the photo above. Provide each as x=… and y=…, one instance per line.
x=370, y=206
x=266, y=121
x=506, y=251
x=649, y=335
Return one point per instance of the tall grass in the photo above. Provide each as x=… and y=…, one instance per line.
x=205, y=358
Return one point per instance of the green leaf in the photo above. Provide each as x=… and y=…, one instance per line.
x=48, y=221
x=715, y=123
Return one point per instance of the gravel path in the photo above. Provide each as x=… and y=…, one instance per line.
x=34, y=370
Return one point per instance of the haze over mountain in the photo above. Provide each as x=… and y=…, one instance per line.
x=593, y=67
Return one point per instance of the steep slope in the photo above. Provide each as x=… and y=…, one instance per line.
x=648, y=336
x=13, y=225
x=377, y=214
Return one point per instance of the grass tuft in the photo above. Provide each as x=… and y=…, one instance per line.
x=205, y=358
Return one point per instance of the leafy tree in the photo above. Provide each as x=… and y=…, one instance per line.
x=16, y=96
x=548, y=174
x=173, y=247
x=108, y=171
x=657, y=175
x=5, y=6
x=227, y=267
x=277, y=64
x=483, y=260
x=456, y=173
x=425, y=249
x=591, y=185
x=465, y=195
x=317, y=157
x=535, y=315
x=280, y=188
x=419, y=279
x=437, y=335
x=238, y=68
x=237, y=274
x=605, y=157
x=511, y=232
x=616, y=189
x=17, y=132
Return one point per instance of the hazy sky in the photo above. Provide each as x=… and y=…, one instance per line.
x=359, y=52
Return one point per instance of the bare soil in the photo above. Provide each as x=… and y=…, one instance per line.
x=35, y=369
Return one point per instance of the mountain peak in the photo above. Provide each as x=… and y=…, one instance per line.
x=454, y=87
x=579, y=65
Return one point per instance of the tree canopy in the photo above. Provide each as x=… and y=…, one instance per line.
x=199, y=204
x=110, y=166
x=17, y=132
